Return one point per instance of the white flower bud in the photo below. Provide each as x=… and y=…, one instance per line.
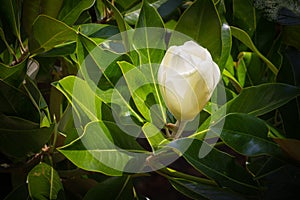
x=187, y=78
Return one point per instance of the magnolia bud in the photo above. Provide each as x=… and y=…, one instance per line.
x=187, y=78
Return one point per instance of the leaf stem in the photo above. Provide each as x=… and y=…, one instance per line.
x=180, y=125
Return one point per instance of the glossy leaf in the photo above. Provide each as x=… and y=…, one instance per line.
x=245, y=38
x=141, y=91
x=233, y=80
x=118, y=16
x=61, y=50
x=256, y=100
x=203, y=191
x=226, y=46
x=201, y=22
x=103, y=75
x=17, y=142
x=38, y=101
x=164, y=8
x=83, y=99
x=149, y=45
x=263, y=166
x=44, y=182
x=244, y=15
x=13, y=75
x=154, y=136
x=103, y=147
x=11, y=13
x=33, y=8
x=149, y=17
x=98, y=30
x=118, y=187
x=259, y=100
x=42, y=41
x=149, y=42
x=15, y=103
x=228, y=173
x=247, y=135
x=71, y=10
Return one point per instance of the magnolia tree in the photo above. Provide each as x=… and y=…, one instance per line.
x=149, y=99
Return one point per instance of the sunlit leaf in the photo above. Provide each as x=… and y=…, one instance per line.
x=153, y=135
x=104, y=148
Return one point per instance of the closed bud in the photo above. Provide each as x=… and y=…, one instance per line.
x=187, y=78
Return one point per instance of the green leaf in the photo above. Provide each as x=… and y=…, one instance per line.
x=112, y=188
x=149, y=16
x=61, y=50
x=103, y=72
x=33, y=8
x=233, y=80
x=11, y=13
x=15, y=103
x=118, y=17
x=44, y=182
x=98, y=30
x=291, y=35
x=245, y=38
x=263, y=166
x=226, y=46
x=149, y=44
x=125, y=5
x=8, y=47
x=58, y=33
x=247, y=135
x=17, y=142
x=13, y=75
x=256, y=100
x=202, y=191
x=259, y=100
x=83, y=99
x=104, y=148
x=154, y=136
x=244, y=15
x=250, y=69
x=227, y=173
x=38, y=101
x=71, y=10
x=141, y=91
x=201, y=22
